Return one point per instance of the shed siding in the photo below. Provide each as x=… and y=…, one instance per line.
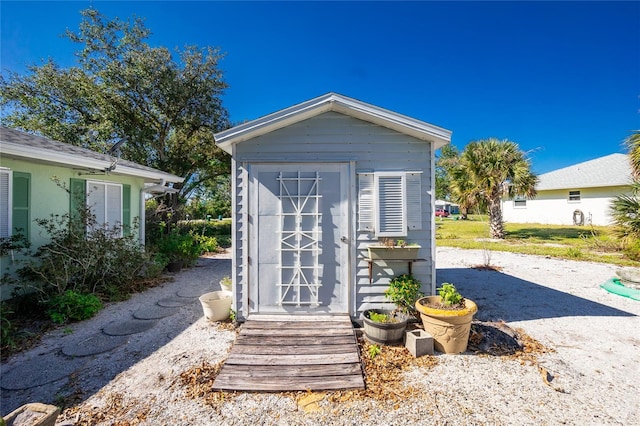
x=554, y=208
x=334, y=137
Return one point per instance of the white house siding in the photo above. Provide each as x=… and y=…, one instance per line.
x=553, y=207
x=334, y=137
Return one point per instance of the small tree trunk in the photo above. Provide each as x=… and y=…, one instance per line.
x=496, y=227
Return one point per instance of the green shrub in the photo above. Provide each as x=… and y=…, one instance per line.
x=207, y=244
x=155, y=265
x=180, y=248
x=6, y=328
x=404, y=291
x=72, y=306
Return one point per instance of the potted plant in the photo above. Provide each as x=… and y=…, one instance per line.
x=388, y=249
x=225, y=283
x=385, y=327
x=447, y=317
x=216, y=305
x=404, y=290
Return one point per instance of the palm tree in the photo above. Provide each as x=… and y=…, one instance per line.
x=633, y=145
x=490, y=169
x=625, y=208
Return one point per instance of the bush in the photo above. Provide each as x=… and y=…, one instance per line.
x=72, y=306
x=207, y=244
x=404, y=291
x=210, y=228
x=94, y=261
x=179, y=248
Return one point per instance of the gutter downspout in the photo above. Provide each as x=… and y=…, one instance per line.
x=143, y=191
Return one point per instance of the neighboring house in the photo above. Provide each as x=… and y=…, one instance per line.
x=315, y=184
x=578, y=194
x=115, y=189
x=448, y=206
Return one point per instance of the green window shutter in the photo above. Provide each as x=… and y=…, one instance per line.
x=21, y=202
x=77, y=201
x=126, y=209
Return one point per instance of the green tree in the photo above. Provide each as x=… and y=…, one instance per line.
x=625, y=208
x=490, y=169
x=446, y=162
x=166, y=105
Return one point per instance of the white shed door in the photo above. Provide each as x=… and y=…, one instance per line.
x=301, y=233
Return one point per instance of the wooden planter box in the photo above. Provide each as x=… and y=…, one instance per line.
x=393, y=253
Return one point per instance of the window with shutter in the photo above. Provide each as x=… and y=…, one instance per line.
x=20, y=217
x=389, y=203
x=366, y=204
x=105, y=201
x=5, y=203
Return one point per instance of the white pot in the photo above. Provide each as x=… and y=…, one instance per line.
x=216, y=305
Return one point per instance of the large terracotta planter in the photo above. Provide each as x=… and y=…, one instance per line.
x=387, y=333
x=449, y=328
x=216, y=305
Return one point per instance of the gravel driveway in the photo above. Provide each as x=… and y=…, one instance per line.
x=593, y=368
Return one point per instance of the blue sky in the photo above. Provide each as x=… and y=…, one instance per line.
x=562, y=79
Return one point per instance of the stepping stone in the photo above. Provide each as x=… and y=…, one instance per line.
x=127, y=327
x=190, y=292
x=174, y=302
x=154, y=312
x=39, y=371
x=93, y=345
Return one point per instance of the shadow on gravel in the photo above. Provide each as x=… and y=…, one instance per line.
x=50, y=376
x=503, y=297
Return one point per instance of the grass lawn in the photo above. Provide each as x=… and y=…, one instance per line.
x=589, y=243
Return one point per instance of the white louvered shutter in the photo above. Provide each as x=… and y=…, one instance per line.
x=366, y=202
x=114, y=206
x=414, y=200
x=391, y=218
x=5, y=203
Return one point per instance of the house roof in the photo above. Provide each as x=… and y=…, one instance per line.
x=610, y=170
x=338, y=103
x=17, y=144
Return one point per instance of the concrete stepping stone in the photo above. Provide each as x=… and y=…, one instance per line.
x=39, y=371
x=93, y=345
x=127, y=327
x=190, y=292
x=154, y=312
x=174, y=302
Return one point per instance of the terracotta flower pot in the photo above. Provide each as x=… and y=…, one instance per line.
x=449, y=328
x=386, y=333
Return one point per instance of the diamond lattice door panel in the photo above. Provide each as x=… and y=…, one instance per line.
x=302, y=215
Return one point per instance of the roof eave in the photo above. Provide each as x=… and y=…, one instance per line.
x=56, y=157
x=333, y=102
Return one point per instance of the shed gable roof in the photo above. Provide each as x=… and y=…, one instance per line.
x=610, y=170
x=338, y=103
x=17, y=144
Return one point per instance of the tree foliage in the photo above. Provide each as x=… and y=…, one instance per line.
x=486, y=171
x=625, y=208
x=445, y=163
x=165, y=104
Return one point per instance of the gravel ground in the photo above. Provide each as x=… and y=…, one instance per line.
x=592, y=375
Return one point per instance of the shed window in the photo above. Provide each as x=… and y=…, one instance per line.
x=519, y=201
x=390, y=203
x=574, y=195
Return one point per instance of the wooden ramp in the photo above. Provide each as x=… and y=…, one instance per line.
x=291, y=355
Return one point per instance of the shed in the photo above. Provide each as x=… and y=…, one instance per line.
x=314, y=185
x=580, y=194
